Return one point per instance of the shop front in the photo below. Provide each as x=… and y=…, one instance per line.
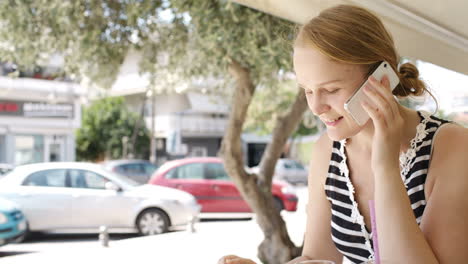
x=34, y=128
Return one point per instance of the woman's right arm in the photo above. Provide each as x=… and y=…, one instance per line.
x=318, y=243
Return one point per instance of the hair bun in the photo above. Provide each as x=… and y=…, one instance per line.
x=408, y=70
x=410, y=84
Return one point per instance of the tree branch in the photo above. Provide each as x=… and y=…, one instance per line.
x=284, y=127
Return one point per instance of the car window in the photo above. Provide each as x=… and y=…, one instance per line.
x=298, y=165
x=47, y=178
x=149, y=168
x=188, y=171
x=87, y=179
x=288, y=165
x=215, y=171
x=132, y=169
x=77, y=179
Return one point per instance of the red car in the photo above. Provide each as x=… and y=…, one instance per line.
x=207, y=180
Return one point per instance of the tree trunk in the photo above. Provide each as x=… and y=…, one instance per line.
x=277, y=247
x=136, y=128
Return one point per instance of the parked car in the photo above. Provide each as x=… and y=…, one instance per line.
x=12, y=222
x=81, y=197
x=208, y=181
x=5, y=168
x=137, y=170
x=288, y=170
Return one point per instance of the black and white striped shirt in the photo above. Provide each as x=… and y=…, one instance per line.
x=348, y=230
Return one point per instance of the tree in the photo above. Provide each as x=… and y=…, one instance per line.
x=93, y=36
x=104, y=124
x=251, y=46
x=181, y=41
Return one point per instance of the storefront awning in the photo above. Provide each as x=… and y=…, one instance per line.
x=433, y=31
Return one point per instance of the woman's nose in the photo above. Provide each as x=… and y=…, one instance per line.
x=317, y=105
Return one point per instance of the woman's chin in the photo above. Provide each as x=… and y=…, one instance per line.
x=334, y=136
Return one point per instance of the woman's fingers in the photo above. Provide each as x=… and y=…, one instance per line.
x=378, y=103
x=374, y=114
x=384, y=89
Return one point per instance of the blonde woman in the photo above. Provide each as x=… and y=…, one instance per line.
x=412, y=164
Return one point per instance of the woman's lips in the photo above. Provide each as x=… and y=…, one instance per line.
x=333, y=123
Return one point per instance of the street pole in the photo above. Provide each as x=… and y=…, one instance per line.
x=124, y=147
x=153, y=127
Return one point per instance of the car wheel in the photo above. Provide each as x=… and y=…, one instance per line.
x=152, y=222
x=278, y=204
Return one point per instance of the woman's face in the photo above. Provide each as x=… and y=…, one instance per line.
x=328, y=84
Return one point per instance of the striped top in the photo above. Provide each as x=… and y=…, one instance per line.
x=348, y=230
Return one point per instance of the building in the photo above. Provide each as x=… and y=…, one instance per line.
x=186, y=124
x=38, y=118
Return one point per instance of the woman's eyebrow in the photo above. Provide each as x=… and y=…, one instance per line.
x=321, y=84
x=328, y=82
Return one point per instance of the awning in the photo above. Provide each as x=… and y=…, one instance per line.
x=433, y=31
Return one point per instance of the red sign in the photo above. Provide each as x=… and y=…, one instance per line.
x=35, y=109
x=8, y=107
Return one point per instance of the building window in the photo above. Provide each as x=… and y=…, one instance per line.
x=198, y=152
x=29, y=149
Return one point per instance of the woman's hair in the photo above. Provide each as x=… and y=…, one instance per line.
x=353, y=35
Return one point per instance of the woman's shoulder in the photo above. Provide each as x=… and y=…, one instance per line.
x=452, y=136
x=322, y=146
x=449, y=164
x=320, y=158
x=321, y=152
x=449, y=151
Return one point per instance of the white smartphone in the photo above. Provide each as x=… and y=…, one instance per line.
x=353, y=105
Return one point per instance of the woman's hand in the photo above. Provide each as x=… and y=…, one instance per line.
x=232, y=259
x=388, y=124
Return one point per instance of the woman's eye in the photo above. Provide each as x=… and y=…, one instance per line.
x=333, y=91
x=307, y=91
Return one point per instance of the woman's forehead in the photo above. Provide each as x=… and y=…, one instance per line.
x=313, y=68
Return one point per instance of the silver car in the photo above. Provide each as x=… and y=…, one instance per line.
x=288, y=170
x=81, y=197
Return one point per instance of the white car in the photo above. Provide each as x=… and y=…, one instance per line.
x=288, y=170
x=81, y=197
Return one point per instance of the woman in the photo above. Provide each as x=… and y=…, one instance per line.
x=410, y=163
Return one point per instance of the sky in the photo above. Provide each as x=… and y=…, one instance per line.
x=443, y=83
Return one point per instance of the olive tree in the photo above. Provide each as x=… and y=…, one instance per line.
x=252, y=47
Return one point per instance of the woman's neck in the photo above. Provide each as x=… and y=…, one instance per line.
x=362, y=142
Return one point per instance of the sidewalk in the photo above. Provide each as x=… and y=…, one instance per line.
x=211, y=241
